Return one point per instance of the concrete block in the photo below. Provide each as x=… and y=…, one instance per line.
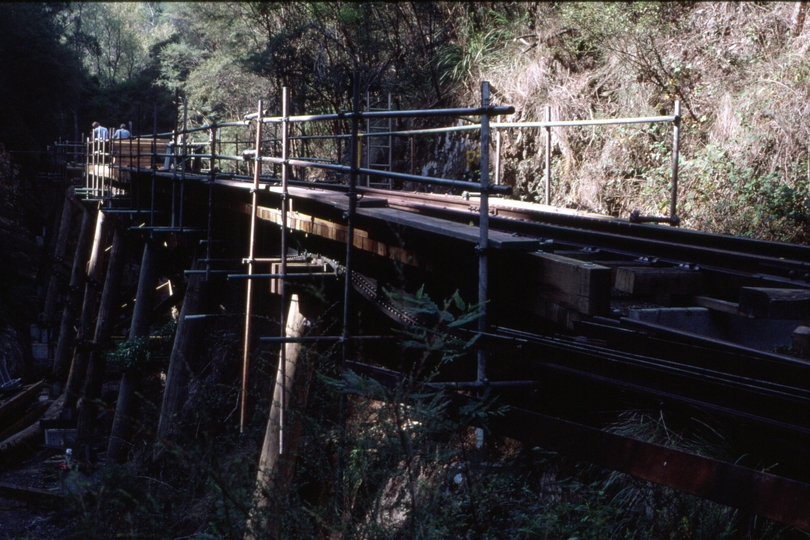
x=39, y=351
x=60, y=437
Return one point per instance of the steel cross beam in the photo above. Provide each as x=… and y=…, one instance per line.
x=767, y=495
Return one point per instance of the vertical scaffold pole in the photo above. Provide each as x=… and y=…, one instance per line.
x=154, y=169
x=172, y=162
x=676, y=137
x=183, y=160
x=498, y=157
x=352, y=195
x=282, y=364
x=88, y=164
x=483, y=242
x=212, y=176
x=257, y=171
x=354, y=156
x=548, y=155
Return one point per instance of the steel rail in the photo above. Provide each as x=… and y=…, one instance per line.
x=760, y=387
x=736, y=362
x=673, y=246
x=799, y=253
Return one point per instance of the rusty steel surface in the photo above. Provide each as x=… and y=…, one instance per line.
x=774, y=497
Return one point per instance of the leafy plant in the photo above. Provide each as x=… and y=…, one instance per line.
x=135, y=352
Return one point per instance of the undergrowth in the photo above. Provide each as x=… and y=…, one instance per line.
x=407, y=464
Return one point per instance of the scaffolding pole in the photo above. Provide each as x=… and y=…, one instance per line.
x=257, y=170
x=483, y=243
x=282, y=363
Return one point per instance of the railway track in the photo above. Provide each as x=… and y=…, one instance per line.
x=759, y=398
x=773, y=262
x=565, y=379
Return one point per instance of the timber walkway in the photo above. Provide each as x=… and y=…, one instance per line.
x=579, y=313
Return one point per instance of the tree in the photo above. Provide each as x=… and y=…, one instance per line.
x=39, y=75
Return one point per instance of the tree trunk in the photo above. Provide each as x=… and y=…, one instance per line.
x=107, y=312
x=122, y=428
x=67, y=335
x=276, y=469
x=183, y=358
x=81, y=352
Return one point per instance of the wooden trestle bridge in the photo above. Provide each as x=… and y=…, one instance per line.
x=580, y=313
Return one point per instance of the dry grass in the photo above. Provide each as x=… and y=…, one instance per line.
x=743, y=81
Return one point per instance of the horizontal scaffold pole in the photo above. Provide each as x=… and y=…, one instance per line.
x=280, y=276
x=460, y=184
x=423, y=113
x=314, y=339
x=595, y=122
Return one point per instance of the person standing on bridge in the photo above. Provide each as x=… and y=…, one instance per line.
x=100, y=132
x=122, y=133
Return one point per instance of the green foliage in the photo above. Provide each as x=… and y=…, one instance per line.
x=728, y=196
x=432, y=336
x=478, y=42
x=135, y=352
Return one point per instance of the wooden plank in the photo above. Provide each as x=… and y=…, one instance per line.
x=31, y=415
x=136, y=152
x=594, y=256
x=615, y=265
x=336, y=199
x=575, y=285
x=12, y=409
x=640, y=280
x=556, y=313
x=769, y=303
x=19, y=446
x=457, y=231
x=717, y=305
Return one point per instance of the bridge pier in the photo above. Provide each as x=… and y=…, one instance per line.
x=184, y=351
x=122, y=427
x=108, y=308
x=70, y=207
x=81, y=353
x=277, y=461
x=67, y=336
